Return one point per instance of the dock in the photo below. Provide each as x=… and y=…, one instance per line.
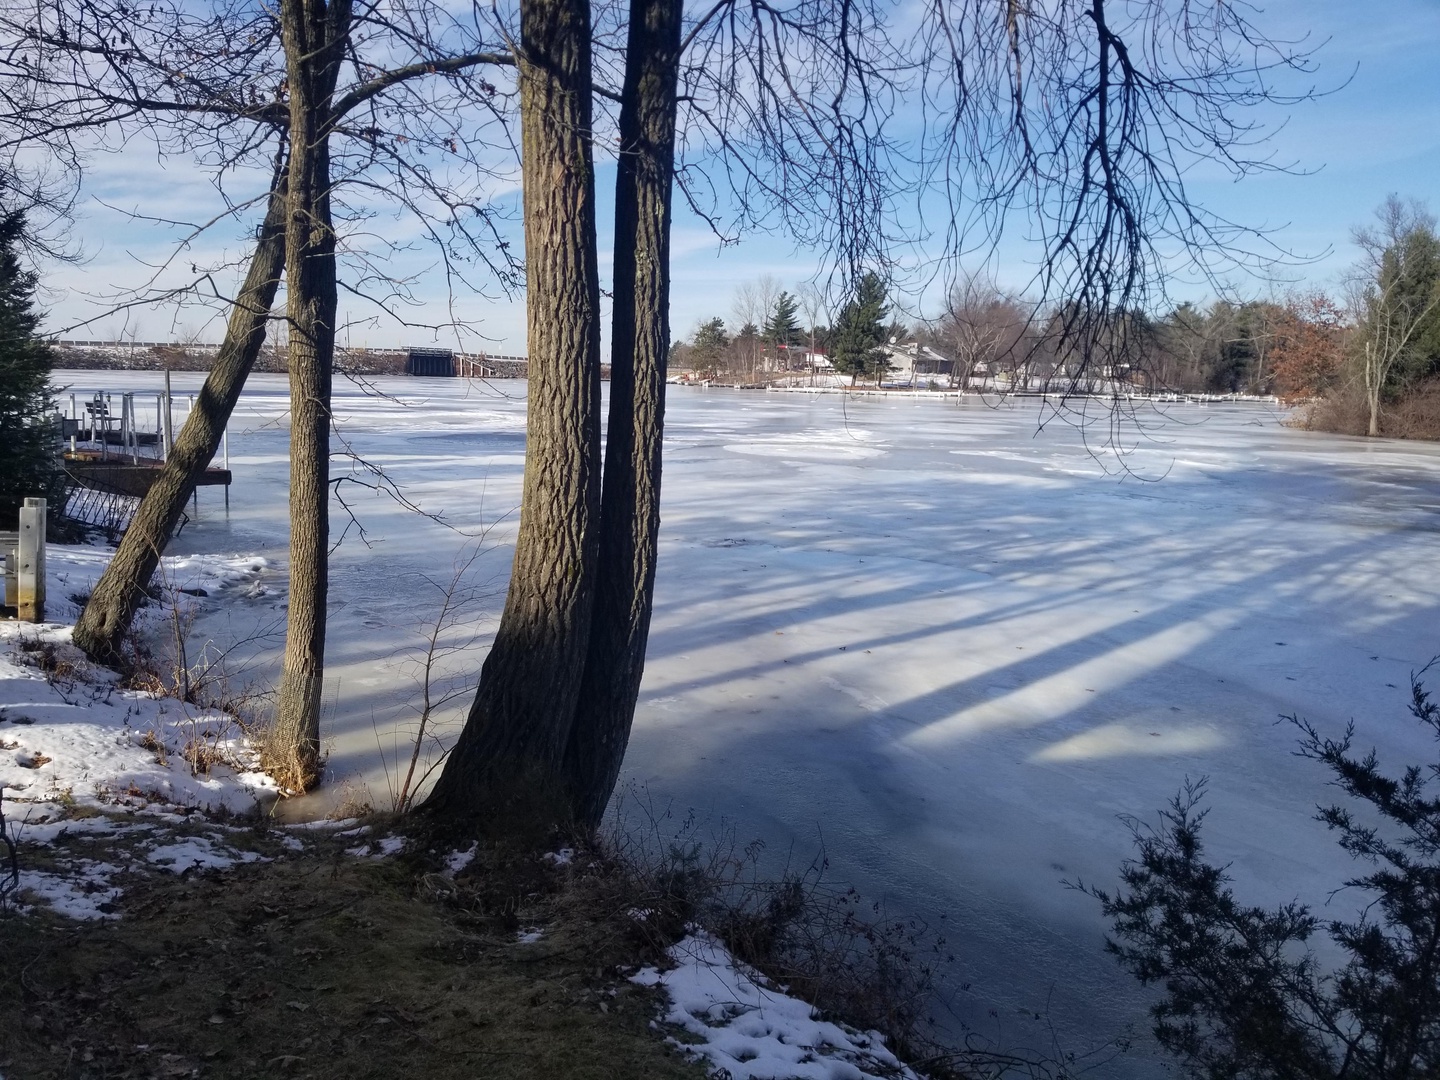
x=116, y=444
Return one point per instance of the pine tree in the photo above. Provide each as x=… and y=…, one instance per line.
x=859, y=330
x=27, y=442
x=782, y=327
x=711, y=342
x=710, y=337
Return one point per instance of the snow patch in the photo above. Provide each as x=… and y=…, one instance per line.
x=76, y=748
x=755, y=1032
x=378, y=848
x=459, y=860
x=198, y=853
x=84, y=891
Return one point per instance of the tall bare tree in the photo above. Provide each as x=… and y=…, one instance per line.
x=981, y=326
x=504, y=766
x=360, y=96
x=1395, y=297
x=509, y=760
x=640, y=341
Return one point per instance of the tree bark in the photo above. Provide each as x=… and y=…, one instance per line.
x=640, y=342
x=507, y=765
x=314, y=34
x=122, y=588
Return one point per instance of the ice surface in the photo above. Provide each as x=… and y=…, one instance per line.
x=951, y=647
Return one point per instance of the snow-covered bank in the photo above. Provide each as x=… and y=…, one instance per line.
x=82, y=756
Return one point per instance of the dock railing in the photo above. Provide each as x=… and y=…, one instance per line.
x=24, y=552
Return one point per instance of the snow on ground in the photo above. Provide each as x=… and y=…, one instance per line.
x=82, y=758
x=377, y=847
x=754, y=1031
x=459, y=860
x=948, y=644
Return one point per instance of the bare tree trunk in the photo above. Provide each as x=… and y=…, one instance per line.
x=1374, y=381
x=314, y=35
x=508, y=762
x=121, y=589
x=640, y=342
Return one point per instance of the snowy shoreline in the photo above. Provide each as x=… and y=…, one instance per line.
x=951, y=645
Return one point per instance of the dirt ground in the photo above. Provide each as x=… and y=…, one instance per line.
x=323, y=964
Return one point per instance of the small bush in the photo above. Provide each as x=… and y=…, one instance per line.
x=1244, y=996
x=1417, y=414
x=1343, y=411
x=1411, y=414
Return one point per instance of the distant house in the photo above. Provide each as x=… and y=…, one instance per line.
x=798, y=358
x=430, y=363
x=912, y=362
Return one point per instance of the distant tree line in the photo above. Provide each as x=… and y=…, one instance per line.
x=1363, y=362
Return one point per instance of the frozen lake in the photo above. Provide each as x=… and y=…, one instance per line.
x=952, y=647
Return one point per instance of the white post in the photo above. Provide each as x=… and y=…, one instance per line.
x=169, y=419
x=30, y=573
x=225, y=447
x=129, y=438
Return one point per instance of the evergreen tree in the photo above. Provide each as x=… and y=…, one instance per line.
x=859, y=330
x=710, y=336
x=27, y=441
x=782, y=327
x=711, y=342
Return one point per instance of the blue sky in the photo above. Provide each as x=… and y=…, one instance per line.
x=1377, y=133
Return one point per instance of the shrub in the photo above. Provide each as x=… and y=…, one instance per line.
x=1244, y=996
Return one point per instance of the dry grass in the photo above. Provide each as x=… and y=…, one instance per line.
x=324, y=965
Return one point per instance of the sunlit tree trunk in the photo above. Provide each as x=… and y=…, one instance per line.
x=122, y=587
x=508, y=763
x=640, y=343
x=314, y=35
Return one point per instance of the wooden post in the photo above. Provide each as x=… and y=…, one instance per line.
x=30, y=571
